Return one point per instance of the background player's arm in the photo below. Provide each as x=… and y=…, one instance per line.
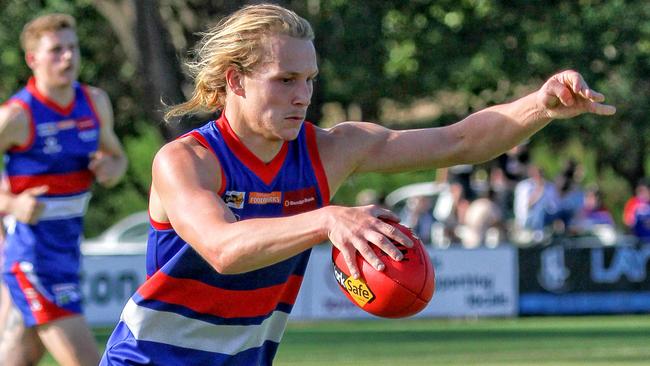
x=186, y=179
x=15, y=131
x=477, y=138
x=109, y=163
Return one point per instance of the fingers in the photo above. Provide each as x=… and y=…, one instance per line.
x=567, y=94
x=36, y=191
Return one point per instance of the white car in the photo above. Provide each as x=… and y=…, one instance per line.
x=126, y=237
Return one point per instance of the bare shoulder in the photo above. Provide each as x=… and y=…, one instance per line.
x=184, y=156
x=350, y=137
x=102, y=103
x=14, y=125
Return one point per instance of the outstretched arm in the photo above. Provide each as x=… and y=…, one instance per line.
x=477, y=138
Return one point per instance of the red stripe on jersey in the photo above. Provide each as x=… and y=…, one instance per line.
x=62, y=110
x=205, y=299
x=201, y=139
x=265, y=171
x=42, y=309
x=66, y=183
x=160, y=225
x=317, y=164
x=32, y=128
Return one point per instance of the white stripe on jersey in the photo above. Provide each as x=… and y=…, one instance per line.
x=176, y=330
x=57, y=208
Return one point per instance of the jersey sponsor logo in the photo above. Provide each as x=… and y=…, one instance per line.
x=47, y=129
x=65, y=124
x=262, y=198
x=51, y=145
x=88, y=135
x=85, y=123
x=299, y=201
x=235, y=199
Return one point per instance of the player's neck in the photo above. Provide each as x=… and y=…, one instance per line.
x=59, y=94
x=263, y=147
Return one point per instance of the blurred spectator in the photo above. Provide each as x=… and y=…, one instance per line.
x=593, y=215
x=483, y=222
x=417, y=214
x=449, y=211
x=461, y=174
x=641, y=221
x=514, y=163
x=570, y=195
x=641, y=195
x=535, y=202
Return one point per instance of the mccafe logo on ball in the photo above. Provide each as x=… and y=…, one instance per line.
x=357, y=289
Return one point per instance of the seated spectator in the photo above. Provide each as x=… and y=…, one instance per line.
x=483, y=217
x=417, y=215
x=641, y=221
x=593, y=215
x=641, y=195
x=570, y=195
x=449, y=211
x=535, y=203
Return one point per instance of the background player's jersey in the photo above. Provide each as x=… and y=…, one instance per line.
x=57, y=155
x=186, y=312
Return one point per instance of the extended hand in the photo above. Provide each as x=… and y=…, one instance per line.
x=354, y=229
x=567, y=95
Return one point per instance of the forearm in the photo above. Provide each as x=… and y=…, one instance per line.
x=251, y=244
x=492, y=131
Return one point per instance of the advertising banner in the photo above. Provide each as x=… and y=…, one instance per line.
x=107, y=282
x=469, y=283
x=565, y=279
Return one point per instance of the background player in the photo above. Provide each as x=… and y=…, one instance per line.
x=57, y=137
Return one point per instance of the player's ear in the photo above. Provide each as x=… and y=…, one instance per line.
x=29, y=59
x=234, y=79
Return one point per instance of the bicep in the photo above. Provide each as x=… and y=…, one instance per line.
x=187, y=180
x=366, y=147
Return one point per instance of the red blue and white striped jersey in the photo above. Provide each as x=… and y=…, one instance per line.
x=188, y=313
x=56, y=154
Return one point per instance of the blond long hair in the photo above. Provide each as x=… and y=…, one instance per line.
x=236, y=41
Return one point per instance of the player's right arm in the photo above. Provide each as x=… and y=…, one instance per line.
x=15, y=131
x=186, y=182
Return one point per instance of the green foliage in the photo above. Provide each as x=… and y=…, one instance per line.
x=485, y=51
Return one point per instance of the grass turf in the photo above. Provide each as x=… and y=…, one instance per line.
x=601, y=340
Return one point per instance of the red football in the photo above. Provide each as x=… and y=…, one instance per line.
x=402, y=289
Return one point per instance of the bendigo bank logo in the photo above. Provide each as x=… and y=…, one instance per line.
x=234, y=199
x=357, y=289
x=302, y=200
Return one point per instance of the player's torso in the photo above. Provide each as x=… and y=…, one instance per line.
x=56, y=155
x=185, y=290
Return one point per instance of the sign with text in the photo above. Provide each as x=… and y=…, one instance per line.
x=478, y=282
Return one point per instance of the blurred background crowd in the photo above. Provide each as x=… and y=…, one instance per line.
x=513, y=200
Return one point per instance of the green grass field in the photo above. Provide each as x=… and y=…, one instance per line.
x=606, y=340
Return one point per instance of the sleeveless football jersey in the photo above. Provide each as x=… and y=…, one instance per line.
x=42, y=260
x=188, y=313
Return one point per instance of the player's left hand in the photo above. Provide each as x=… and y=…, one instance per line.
x=567, y=95
x=106, y=168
